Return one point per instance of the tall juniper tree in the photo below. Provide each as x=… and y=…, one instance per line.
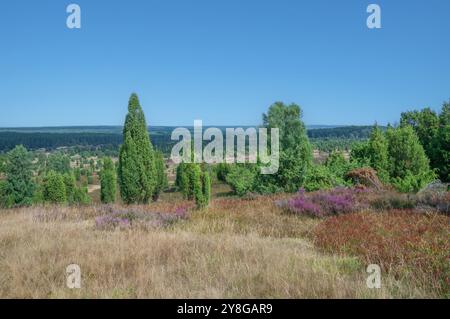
x=137, y=177
x=19, y=187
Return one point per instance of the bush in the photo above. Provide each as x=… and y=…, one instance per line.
x=54, y=188
x=206, y=188
x=194, y=184
x=80, y=196
x=222, y=171
x=241, y=179
x=321, y=204
x=411, y=183
x=319, y=177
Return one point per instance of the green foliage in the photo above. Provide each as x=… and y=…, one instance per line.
x=360, y=154
x=183, y=179
x=137, y=176
x=339, y=166
x=206, y=188
x=58, y=162
x=442, y=144
x=77, y=174
x=373, y=153
x=411, y=183
x=80, y=196
x=295, y=149
x=433, y=131
x=70, y=186
x=426, y=124
x=194, y=184
x=408, y=165
x=161, y=177
x=90, y=180
x=108, y=181
x=19, y=187
x=6, y=198
x=319, y=177
x=54, y=188
x=242, y=179
x=222, y=170
x=378, y=154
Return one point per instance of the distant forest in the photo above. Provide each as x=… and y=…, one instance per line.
x=325, y=139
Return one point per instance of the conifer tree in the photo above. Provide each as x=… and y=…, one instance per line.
x=378, y=153
x=161, y=177
x=19, y=187
x=137, y=177
x=206, y=188
x=54, y=188
x=108, y=182
x=408, y=165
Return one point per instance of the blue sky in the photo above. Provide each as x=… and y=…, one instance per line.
x=222, y=61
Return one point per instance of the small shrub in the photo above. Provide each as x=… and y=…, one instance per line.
x=126, y=219
x=319, y=177
x=241, y=179
x=322, y=203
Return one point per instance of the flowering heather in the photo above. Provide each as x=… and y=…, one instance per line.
x=123, y=219
x=112, y=221
x=322, y=203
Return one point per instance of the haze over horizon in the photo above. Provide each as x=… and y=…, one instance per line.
x=222, y=62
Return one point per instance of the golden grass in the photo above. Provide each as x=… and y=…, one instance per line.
x=234, y=249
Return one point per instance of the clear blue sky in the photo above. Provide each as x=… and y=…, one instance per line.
x=222, y=61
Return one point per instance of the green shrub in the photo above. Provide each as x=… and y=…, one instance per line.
x=54, y=188
x=319, y=177
x=80, y=196
x=241, y=179
x=108, y=182
x=222, y=171
x=206, y=188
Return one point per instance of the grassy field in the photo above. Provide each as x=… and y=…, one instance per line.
x=236, y=248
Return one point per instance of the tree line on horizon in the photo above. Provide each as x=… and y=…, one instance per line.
x=408, y=157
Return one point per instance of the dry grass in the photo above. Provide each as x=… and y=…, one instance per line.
x=235, y=249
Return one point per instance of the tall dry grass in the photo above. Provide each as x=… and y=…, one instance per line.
x=235, y=249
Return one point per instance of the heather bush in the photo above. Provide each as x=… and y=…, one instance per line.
x=400, y=241
x=126, y=219
x=322, y=203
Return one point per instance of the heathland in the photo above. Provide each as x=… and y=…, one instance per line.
x=140, y=226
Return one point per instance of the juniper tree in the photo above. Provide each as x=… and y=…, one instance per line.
x=137, y=176
x=54, y=188
x=442, y=144
x=161, y=177
x=19, y=187
x=378, y=153
x=206, y=188
x=108, y=182
x=408, y=165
